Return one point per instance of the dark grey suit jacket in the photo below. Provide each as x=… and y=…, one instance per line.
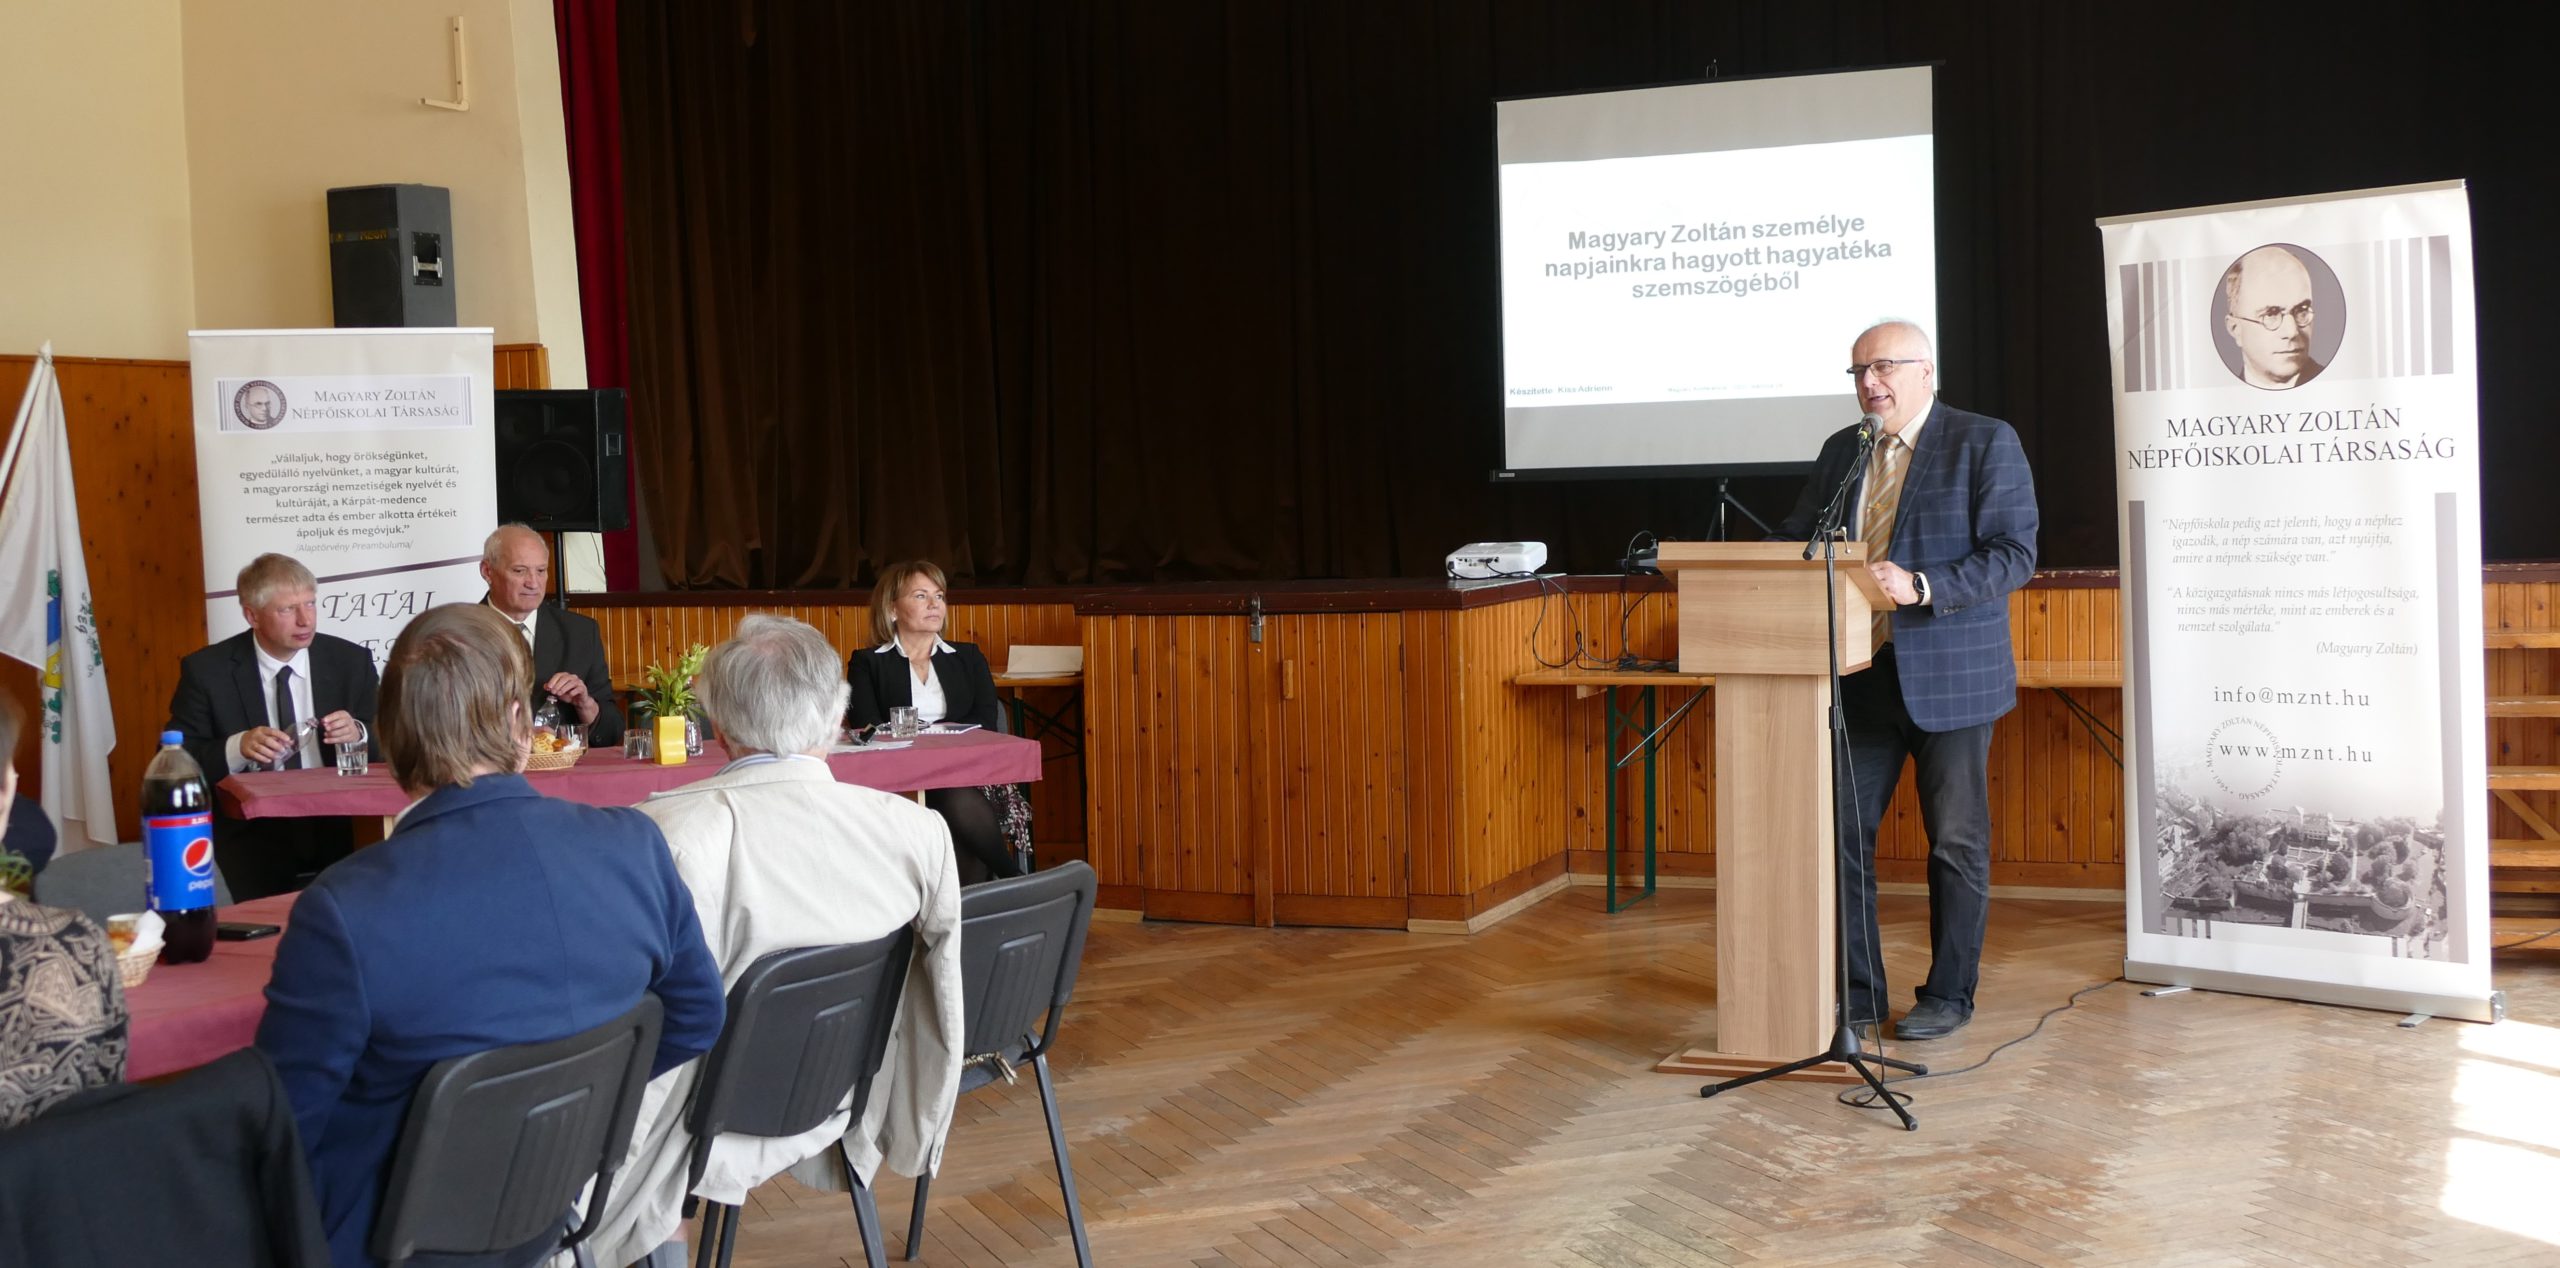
x=218, y=694
x=565, y=640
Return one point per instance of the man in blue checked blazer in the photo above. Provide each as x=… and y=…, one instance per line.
x=1949, y=511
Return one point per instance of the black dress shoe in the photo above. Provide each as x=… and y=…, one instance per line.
x=1932, y=1019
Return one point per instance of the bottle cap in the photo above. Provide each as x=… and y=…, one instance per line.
x=173, y=737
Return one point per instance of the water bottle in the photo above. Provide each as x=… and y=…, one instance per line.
x=177, y=844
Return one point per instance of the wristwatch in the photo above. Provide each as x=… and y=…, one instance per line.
x=1920, y=582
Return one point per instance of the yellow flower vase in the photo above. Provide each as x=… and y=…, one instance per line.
x=671, y=741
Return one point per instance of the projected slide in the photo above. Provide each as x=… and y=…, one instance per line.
x=1683, y=268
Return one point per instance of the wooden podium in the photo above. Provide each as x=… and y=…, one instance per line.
x=1752, y=614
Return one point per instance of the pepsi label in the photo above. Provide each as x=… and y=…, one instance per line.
x=180, y=851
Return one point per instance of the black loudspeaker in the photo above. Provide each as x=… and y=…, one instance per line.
x=391, y=255
x=561, y=460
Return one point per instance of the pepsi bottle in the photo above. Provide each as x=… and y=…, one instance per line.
x=177, y=842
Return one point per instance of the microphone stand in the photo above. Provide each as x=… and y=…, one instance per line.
x=1845, y=1048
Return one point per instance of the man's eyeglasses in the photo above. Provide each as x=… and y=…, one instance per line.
x=1883, y=366
x=2273, y=318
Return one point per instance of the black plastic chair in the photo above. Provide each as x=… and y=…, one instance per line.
x=1021, y=939
x=805, y=1027
x=497, y=1144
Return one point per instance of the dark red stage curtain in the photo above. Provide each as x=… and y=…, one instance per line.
x=1115, y=290
x=591, y=99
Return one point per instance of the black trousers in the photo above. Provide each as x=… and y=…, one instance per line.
x=260, y=857
x=977, y=833
x=1952, y=770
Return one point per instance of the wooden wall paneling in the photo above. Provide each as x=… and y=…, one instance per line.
x=520, y=365
x=2521, y=605
x=1530, y=806
x=1335, y=770
x=1434, y=774
x=1169, y=745
x=132, y=435
x=1112, y=782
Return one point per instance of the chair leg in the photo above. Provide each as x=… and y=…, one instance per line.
x=915, y=1218
x=875, y=1252
x=728, y=1233
x=1058, y=1150
x=706, y=1247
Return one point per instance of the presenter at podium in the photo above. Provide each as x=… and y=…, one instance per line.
x=1948, y=510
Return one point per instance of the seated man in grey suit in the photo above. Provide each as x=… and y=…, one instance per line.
x=568, y=649
x=279, y=695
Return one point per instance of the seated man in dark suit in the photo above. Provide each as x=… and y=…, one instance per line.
x=491, y=916
x=280, y=695
x=568, y=649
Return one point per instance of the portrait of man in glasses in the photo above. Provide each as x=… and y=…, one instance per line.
x=2268, y=313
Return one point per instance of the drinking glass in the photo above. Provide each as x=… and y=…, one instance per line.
x=904, y=722
x=638, y=744
x=572, y=736
x=353, y=759
x=692, y=736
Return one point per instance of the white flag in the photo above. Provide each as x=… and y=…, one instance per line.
x=46, y=618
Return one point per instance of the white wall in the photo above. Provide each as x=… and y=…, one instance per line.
x=285, y=99
x=94, y=243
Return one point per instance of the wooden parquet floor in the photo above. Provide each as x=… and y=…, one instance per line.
x=1241, y=1098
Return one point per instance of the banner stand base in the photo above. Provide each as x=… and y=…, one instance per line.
x=2491, y=1007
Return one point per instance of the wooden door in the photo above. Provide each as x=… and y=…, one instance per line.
x=1173, y=817
x=1332, y=759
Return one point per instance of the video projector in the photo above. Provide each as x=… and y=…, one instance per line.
x=1479, y=561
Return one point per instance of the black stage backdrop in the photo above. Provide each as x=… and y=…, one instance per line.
x=1082, y=291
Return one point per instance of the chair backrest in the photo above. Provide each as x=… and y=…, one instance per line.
x=105, y=880
x=86, y=1182
x=805, y=1027
x=1021, y=941
x=497, y=1144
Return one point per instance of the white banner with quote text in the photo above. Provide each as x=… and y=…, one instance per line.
x=369, y=455
x=2298, y=486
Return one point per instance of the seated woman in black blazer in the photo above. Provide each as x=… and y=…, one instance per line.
x=910, y=664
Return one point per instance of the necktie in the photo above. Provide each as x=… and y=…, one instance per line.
x=286, y=721
x=1884, y=497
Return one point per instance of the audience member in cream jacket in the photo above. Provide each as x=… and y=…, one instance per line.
x=779, y=855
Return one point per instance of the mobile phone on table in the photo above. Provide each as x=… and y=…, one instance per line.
x=243, y=930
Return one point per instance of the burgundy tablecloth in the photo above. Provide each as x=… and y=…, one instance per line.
x=609, y=779
x=187, y=1014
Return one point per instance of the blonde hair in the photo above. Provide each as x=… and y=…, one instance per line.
x=884, y=595
x=269, y=573
x=452, y=697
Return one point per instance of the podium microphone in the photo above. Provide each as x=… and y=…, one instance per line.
x=1835, y=511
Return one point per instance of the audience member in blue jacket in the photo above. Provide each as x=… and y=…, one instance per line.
x=491, y=916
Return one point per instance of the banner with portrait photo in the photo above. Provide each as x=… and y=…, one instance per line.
x=2298, y=483
x=369, y=455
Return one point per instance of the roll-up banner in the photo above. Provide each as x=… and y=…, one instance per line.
x=2298, y=488
x=369, y=455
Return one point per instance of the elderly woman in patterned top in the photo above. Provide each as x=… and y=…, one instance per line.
x=62, y=1019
